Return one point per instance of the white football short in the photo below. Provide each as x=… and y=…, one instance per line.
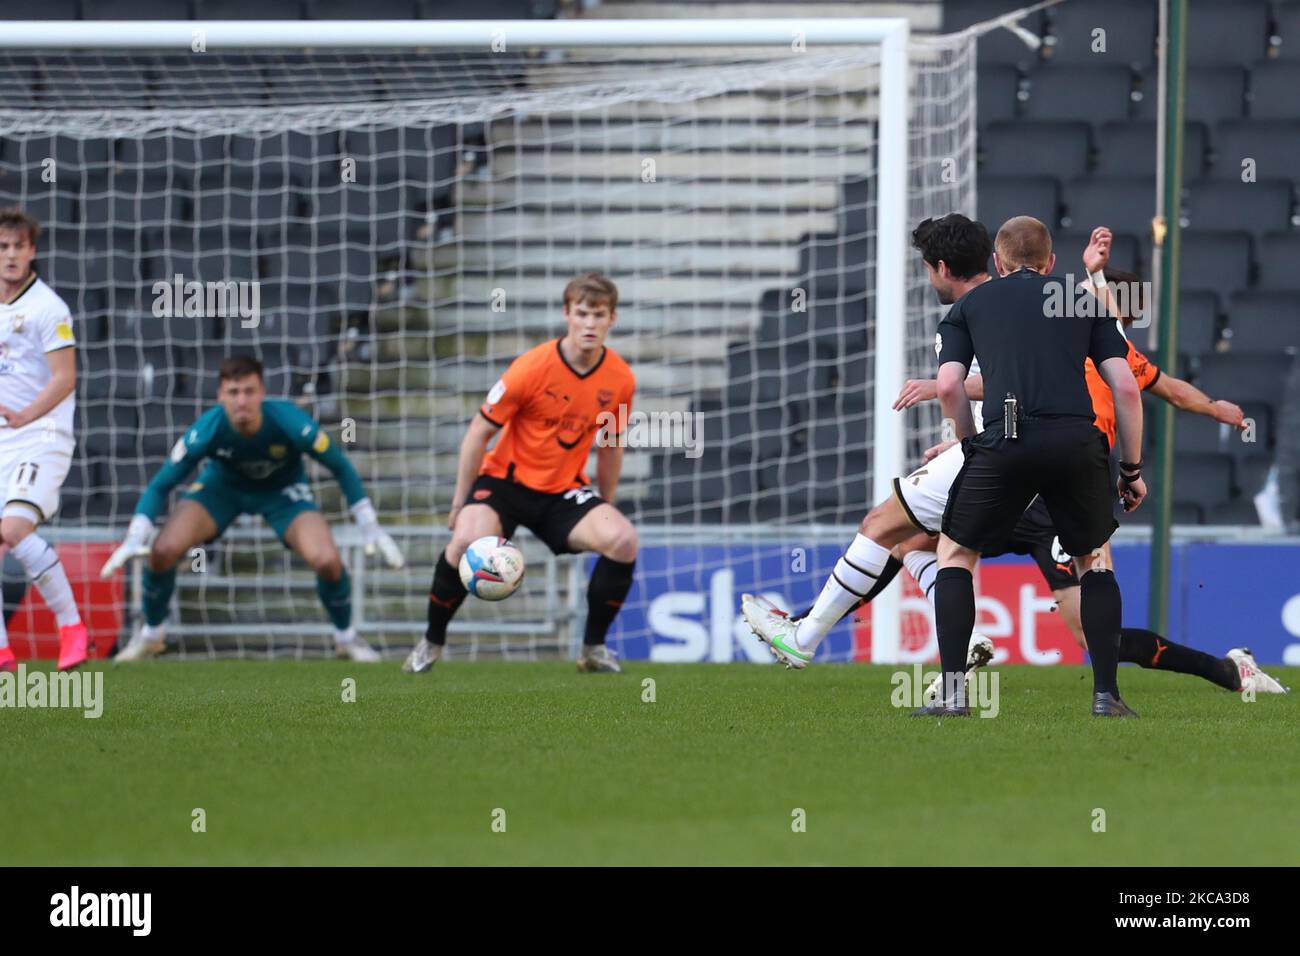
x=924, y=493
x=33, y=466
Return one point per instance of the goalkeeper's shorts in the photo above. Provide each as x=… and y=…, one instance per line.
x=278, y=506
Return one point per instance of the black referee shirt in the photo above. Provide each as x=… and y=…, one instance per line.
x=1025, y=349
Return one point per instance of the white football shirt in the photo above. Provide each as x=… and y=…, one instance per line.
x=36, y=323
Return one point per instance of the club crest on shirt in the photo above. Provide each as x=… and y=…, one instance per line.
x=605, y=396
x=277, y=451
x=18, y=322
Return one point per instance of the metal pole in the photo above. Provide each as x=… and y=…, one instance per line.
x=1167, y=238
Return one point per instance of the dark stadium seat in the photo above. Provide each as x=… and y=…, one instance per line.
x=1236, y=206
x=1213, y=94
x=1278, y=256
x=1125, y=251
x=1204, y=480
x=81, y=82
x=1286, y=19
x=303, y=158
x=376, y=216
x=1001, y=198
x=1130, y=32
x=756, y=373
x=74, y=158
x=1129, y=149
x=1243, y=378
x=1041, y=148
x=997, y=94
x=1274, y=145
x=135, y=10
x=1125, y=205
x=47, y=10
x=1198, y=323
x=1272, y=91
x=997, y=46
x=42, y=200
x=832, y=261
x=249, y=9
x=1263, y=322
x=179, y=155
x=1226, y=34
x=226, y=80
x=1215, y=261
x=370, y=10
x=1250, y=471
x=244, y=198
x=1055, y=94
x=1196, y=434
x=206, y=255
x=486, y=9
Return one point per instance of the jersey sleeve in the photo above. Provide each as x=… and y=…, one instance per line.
x=1107, y=341
x=510, y=393
x=310, y=439
x=56, y=327
x=952, y=343
x=190, y=449
x=1144, y=370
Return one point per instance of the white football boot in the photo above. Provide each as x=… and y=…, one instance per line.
x=598, y=659
x=979, y=653
x=423, y=656
x=775, y=629
x=1252, y=678
x=145, y=642
x=348, y=646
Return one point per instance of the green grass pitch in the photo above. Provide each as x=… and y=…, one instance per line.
x=712, y=772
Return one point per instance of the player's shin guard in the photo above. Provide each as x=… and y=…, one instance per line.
x=852, y=580
x=1100, y=610
x=610, y=582
x=336, y=596
x=46, y=571
x=157, y=587
x=445, y=597
x=954, y=613
x=1148, y=649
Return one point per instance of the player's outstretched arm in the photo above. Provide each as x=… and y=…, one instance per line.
x=373, y=537
x=1187, y=397
x=473, y=448
x=185, y=455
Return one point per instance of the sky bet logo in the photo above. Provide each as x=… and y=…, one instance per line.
x=102, y=909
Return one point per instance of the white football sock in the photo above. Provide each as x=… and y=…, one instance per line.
x=46, y=571
x=853, y=577
x=151, y=633
x=345, y=636
x=4, y=633
x=924, y=567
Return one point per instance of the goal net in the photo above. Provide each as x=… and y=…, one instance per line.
x=388, y=229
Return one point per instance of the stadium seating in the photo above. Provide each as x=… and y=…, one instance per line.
x=1129, y=39
x=1043, y=148
x=1277, y=256
x=1213, y=93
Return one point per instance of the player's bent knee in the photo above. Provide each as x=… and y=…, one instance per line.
x=624, y=546
x=327, y=565
x=14, y=530
x=164, y=555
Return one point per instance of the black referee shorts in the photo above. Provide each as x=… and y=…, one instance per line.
x=1065, y=461
x=1035, y=535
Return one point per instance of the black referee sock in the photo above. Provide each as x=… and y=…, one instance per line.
x=887, y=574
x=1100, y=612
x=1148, y=649
x=610, y=582
x=954, y=614
x=445, y=596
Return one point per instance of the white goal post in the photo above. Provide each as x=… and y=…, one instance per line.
x=892, y=206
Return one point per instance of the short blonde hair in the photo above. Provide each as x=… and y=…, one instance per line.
x=591, y=287
x=1023, y=241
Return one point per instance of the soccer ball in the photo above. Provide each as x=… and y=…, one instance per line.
x=492, y=568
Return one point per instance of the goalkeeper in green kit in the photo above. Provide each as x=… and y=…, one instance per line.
x=255, y=448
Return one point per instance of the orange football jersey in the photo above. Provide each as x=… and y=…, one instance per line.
x=549, y=416
x=1103, y=402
